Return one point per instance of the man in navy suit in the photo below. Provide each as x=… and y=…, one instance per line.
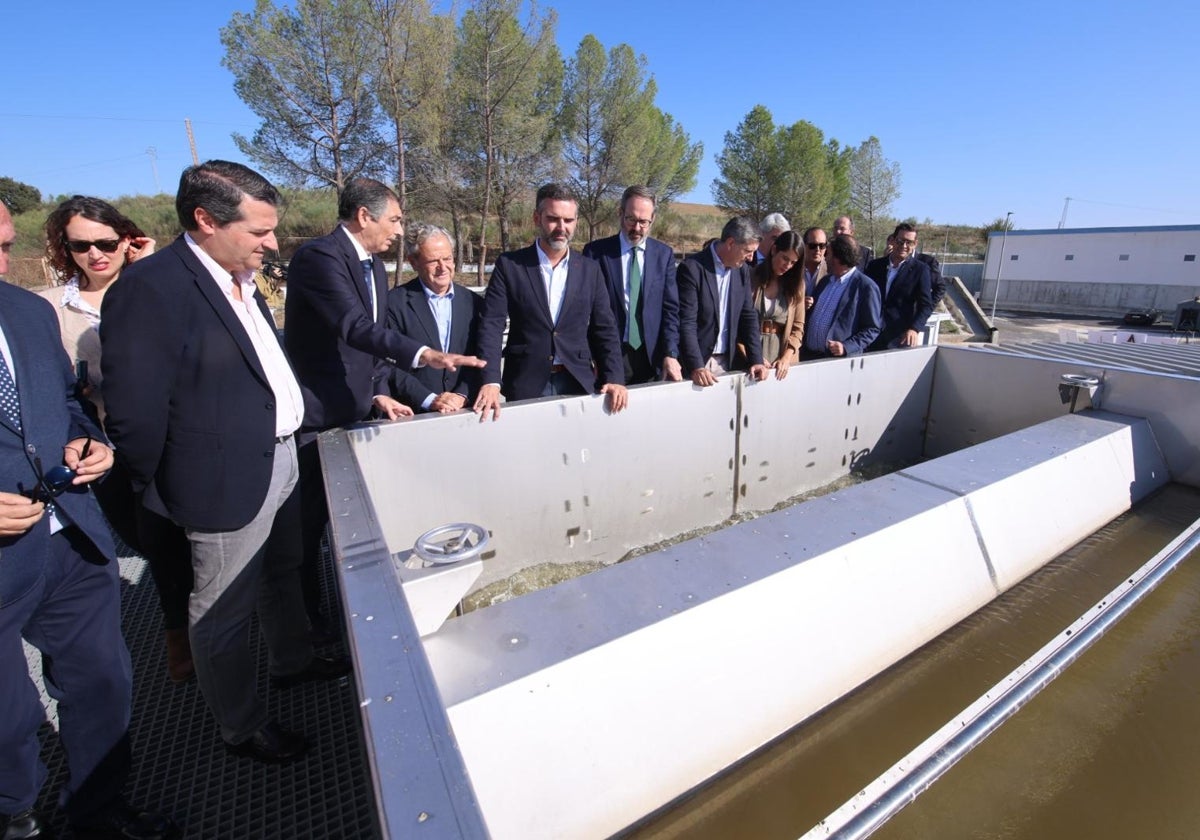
x=202, y=406
x=562, y=336
x=645, y=300
x=844, y=319
x=905, y=289
x=335, y=336
x=716, y=306
x=435, y=310
x=59, y=587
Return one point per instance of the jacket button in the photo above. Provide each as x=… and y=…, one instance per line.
x=270, y=406
x=268, y=454
x=31, y=449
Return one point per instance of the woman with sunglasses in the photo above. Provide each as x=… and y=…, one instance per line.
x=88, y=242
x=778, y=289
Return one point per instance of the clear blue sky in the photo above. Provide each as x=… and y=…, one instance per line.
x=987, y=108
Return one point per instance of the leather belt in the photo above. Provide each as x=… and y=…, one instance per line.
x=282, y=439
x=558, y=369
x=771, y=328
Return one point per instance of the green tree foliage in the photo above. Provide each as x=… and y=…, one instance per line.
x=748, y=166
x=614, y=136
x=789, y=169
x=414, y=48
x=501, y=66
x=19, y=197
x=874, y=186
x=304, y=69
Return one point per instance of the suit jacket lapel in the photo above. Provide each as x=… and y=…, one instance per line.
x=534, y=270
x=460, y=320
x=220, y=305
x=356, y=273
x=616, y=282
x=710, y=278
x=419, y=305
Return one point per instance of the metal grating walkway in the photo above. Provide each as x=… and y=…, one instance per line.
x=181, y=767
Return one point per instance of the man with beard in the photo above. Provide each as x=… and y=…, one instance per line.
x=560, y=319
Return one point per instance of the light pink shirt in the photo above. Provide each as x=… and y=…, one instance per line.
x=289, y=402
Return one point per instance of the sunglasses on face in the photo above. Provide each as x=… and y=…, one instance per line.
x=817, y=245
x=82, y=246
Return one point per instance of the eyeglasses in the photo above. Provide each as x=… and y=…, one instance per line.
x=82, y=246
x=52, y=484
x=816, y=246
x=633, y=221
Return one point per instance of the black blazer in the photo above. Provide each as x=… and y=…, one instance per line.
x=189, y=406
x=408, y=311
x=51, y=415
x=586, y=330
x=699, y=313
x=660, y=294
x=330, y=336
x=908, y=305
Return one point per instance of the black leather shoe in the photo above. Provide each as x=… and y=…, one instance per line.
x=27, y=825
x=272, y=745
x=321, y=668
x=127, y=822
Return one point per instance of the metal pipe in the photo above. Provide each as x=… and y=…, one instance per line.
x=879, y=801
x=1000, y=266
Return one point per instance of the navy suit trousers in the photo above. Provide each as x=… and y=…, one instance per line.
x=73, y=616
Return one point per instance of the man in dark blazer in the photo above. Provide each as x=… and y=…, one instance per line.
x=845, y=316
x=562, y=336
x=845, y=225
x=59, y=587
x=650, y=338
x=436, y=311
x=202, y=406
x=708, y=331
x=335, y=337
x=905, y=289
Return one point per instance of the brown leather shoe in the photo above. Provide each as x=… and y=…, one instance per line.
x=179, y=656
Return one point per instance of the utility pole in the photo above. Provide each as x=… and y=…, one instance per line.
x=1000, y=268
x=187, y=123
x=153, y=154
x=1062, y=223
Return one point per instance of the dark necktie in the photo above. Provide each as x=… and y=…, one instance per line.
x=9, y=403
x=368, y=267
x=635, y=297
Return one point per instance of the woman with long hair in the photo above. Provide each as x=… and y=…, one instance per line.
x=778, y=290
x=89, y=242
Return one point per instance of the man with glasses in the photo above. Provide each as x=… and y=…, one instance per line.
x=335, y=337
x=905, y=288
x=844, y=225
x=639, y=272
x=59, y=587
x=816, y=242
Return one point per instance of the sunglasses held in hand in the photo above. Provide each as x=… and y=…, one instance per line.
x=56, y=481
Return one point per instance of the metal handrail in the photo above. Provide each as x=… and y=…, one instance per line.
x=901, y=784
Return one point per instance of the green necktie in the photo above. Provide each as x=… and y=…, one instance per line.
x=635, y=298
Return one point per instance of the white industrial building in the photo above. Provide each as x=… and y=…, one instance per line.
x=1092, y=271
